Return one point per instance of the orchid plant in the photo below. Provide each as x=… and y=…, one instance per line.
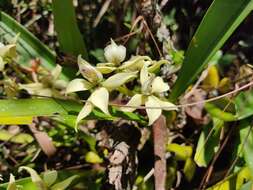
x=152, y=86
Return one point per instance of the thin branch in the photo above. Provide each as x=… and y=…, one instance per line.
x=160, y=140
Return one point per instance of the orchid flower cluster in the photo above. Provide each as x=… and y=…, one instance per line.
x=49, y=84
x=121, y=72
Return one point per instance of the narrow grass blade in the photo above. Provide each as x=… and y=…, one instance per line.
x=220, y=21
x=68, y=34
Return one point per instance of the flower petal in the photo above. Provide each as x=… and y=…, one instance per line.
x=8, y=51
x=135, y=63
x=89, y=72
x=2, y=63
x=159, y=86
x=136, y=100
x=114, y=53
x=47, y=92
x=156, y=65
x=86, y=110
x=153, y=114
x=105, y=69
x=56, y=72
x=78, y=85
x=165, y=105
x=60, y=84
x=144, y=75
x=36, y=89
x=100, y=99
x=105, y=64
x=119, y=79
x=32, y=88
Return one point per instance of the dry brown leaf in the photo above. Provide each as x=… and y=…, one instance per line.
x=44, y=140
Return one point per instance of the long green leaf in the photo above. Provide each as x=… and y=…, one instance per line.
x=68, y=34
x=28, y=46
x=54, y=107
x=220, y=21
x=37, y=107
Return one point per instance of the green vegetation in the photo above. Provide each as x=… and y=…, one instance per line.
x=105, y=95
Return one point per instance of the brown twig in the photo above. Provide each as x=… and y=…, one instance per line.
x=101, y=12
x=160, y=139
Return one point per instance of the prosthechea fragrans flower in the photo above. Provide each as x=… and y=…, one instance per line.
x=47, y=85
x=99, y=87
x=94, y=82
x=151, y=87
x=115, y=55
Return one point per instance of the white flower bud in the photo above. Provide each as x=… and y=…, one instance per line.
x=114, y=53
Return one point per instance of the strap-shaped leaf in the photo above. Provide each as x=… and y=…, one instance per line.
x=68, y=34
x=22, y=108
x=28, y=45
x=220, y=21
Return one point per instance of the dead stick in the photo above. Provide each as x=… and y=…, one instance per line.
x=160, y=139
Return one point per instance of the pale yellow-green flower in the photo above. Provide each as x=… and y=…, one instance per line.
x=43, y=87
x=94, y=81
x=151, y=87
